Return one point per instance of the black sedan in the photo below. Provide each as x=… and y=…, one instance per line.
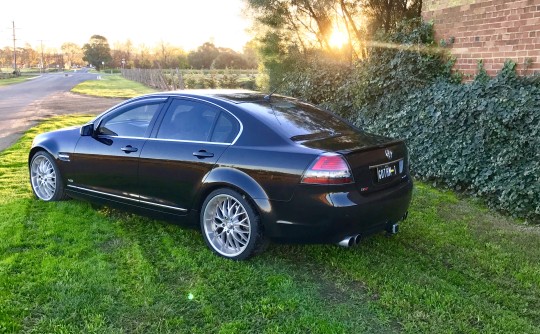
x=247, y=167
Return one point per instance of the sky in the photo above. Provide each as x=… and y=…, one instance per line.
x=182, y=23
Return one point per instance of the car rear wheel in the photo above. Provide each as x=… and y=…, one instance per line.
x=230, y=225
x=45, y=178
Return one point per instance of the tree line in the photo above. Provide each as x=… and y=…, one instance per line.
x=99, y=53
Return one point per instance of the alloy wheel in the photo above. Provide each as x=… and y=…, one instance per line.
x=43, y=178
x=227, y=225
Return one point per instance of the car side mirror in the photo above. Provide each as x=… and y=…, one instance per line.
x=87, y=130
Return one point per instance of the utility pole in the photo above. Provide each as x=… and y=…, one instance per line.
x=42, y=63
x=14, y=50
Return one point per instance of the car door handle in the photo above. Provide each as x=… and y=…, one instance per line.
x=129, y=149
x=203, y=154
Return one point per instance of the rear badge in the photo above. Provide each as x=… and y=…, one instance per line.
x=388, y=153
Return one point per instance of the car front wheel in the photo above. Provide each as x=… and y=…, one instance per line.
x=230, y=225
x=45, y=178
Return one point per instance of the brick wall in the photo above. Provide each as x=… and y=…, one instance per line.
x=491, y=30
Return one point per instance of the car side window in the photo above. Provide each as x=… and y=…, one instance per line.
x=129, y=122
x=226, y=129
x=188, y=120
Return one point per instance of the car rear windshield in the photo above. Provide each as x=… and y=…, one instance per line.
x=301, y=121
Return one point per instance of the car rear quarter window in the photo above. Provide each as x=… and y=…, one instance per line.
x=226, y=129
x=298, y=120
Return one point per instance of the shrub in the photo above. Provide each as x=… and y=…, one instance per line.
x=228, y=80
x=482, y=137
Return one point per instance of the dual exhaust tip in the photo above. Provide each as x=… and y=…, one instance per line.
x=354, y=240
x=350, y=241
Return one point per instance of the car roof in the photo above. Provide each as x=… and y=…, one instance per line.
x=235, y=96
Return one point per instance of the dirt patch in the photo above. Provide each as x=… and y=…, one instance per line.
x=56, y=104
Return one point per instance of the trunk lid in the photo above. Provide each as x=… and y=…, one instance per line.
x=376, y=162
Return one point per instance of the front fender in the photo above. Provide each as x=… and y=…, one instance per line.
x=54, y=142
x=60, y=144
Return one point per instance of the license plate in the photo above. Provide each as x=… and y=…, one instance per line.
x=387, y=171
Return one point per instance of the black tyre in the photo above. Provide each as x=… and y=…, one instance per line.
x=230, y=226
x=45, y=178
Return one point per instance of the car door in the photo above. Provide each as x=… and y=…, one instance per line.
x=189, y=140
x=106, y=163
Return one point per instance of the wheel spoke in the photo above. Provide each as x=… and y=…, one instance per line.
x=49, y=186
x=238, y=239
x=228, y=243
x=242, y=222
x=237, y=243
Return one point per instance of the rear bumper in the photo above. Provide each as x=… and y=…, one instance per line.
x=318, y=214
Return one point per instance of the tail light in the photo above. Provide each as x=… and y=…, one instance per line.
x=329, y=168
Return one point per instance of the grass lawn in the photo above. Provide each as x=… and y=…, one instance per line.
x=65, y=267
x=11, y=81
x=112, y=86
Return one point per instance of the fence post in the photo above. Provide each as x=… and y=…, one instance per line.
x=180, y=79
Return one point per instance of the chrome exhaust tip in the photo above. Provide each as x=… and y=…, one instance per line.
x=392, y=229
x=350, y=241
x=347, y=242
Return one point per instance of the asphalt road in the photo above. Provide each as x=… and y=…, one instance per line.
x=16, y=114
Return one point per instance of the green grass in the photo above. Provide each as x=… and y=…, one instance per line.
x=11, y=81
x=65, y=267
x=112, y=86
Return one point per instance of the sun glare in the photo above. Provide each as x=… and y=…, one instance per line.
x=338, y=38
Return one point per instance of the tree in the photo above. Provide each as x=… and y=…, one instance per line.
x=168, y=56
x=385, y=14
x=144, y=58
x=97, y=51
x=28, y=56
x=204, y=56
x=6, y=57
x=229, y=58
x=122, y=54
x=250, y=54
x=72, y=54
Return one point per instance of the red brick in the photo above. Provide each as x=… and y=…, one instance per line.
x=493, y=30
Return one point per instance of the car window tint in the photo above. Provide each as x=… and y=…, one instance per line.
x=129, y=122
x=298, y=120
x=226, y=129
x=188, y=120
x=301, y=119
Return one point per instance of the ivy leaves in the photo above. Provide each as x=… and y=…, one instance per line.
x=480, y=137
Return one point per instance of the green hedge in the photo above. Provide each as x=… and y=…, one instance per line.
x=482, y=137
